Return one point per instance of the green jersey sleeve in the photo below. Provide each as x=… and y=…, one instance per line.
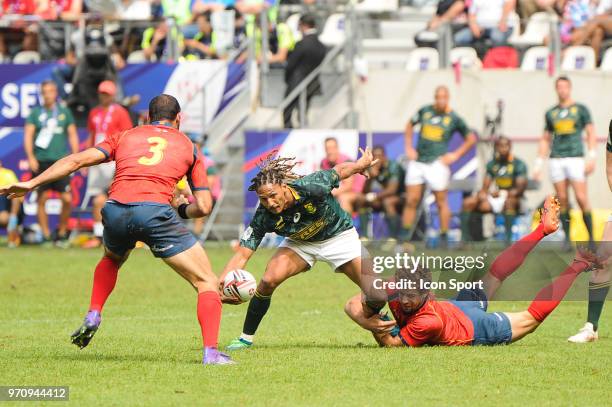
x=317, y=185
x=69, y=117
x=417, y=117
x=254, y=234
x=520, y=169
x=461, y=127
x=585, y=115
x=548, y=126
x=490, y=172
x=33, y=117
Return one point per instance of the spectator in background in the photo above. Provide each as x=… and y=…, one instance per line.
x=49, y=130
x=104, y=120
x=280, y=41
x=526, y=8
x=180, y=10
x=448, y=11
x=574, y=17
x=203, y=6
x=502, y=189
x=155, y=41
x=65, y=10
x=487, y=19
x=307, y=55
x=18, y=35
x=9, y=208
x=202, y=45
x=597, y=29
x=382, y=191
x=344, y=193
x=134, y=10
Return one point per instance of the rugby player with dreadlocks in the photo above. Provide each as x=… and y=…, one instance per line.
x=315, y=228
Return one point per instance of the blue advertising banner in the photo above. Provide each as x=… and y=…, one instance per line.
x=19, y=88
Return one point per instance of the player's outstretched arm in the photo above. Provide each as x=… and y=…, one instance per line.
x=348, y=169
x=354, y=309
x=60, y=169
x=238, y=261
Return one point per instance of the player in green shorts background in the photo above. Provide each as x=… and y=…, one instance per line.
x=315, y=228
x=562, y=141
x=502, y=189
x=430, y=162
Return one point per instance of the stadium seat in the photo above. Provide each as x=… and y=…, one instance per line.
x=377, y=6
x=137, y=57
x=535, y=59
x=466, y=56
x=606, y=62
x=401, y=30
x=293, y=22
x=537, y=29
x=333, y=30
x=578, y=58
x=26, y=57
x=423, y=59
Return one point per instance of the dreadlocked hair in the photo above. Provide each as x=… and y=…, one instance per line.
x=274, y=171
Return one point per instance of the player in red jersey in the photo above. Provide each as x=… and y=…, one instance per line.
x=150, y=161
x=421, y=320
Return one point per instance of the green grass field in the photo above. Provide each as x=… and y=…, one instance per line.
x=307, y=352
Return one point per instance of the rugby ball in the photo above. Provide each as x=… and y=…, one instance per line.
x=239, y=284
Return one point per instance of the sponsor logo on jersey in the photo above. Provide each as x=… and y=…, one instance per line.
x=247, y=233
x=280, y=223
x=446, y=120
x=296, y=217
x=310, y=208
x=310, y=230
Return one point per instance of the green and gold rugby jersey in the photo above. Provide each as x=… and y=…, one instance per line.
x=505, y=173
x=566, y=124
x=391, y=172
x=315, y=216
x=436, y=131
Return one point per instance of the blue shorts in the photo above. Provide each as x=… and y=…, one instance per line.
x=489, y=328
x=155, y=224
x=5, y=204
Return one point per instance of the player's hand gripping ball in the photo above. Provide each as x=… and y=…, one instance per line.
x=239, y=284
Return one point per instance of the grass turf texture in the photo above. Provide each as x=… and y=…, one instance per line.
x=307, y=351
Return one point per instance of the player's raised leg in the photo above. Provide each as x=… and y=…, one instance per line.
x=285, y=263
x=523, y=323
x=510, y=259
x=194, y=266
x=105, y=278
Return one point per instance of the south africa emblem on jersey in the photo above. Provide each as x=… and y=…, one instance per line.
x=310, y=208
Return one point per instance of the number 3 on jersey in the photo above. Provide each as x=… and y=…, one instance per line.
x=157, y=146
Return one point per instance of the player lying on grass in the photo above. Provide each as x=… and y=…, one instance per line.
x=150, y=161
x=304, y=211
x=465, y=321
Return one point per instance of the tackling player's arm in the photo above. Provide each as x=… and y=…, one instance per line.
x=60, y=169
x=348, y=169
x=355, y=309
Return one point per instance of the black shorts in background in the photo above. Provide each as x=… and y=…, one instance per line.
x=61, y=185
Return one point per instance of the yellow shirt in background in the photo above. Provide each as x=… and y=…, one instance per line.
x=7, y=177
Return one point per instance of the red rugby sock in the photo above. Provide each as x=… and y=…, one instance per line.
x=511, y=259
x=550, y=296
x=209, y=317
x=105, y=278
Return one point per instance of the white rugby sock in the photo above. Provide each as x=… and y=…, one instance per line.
x=98, y=229
x=248, y=338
